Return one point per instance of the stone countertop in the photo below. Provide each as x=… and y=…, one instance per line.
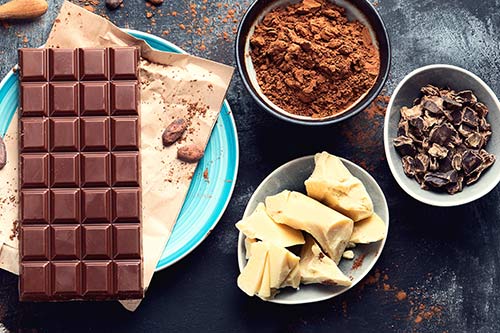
x=440, y=267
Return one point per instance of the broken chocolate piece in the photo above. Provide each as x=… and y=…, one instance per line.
x=404, y=145
x=438, y=151
x=474, y=140
x=481, y=109
x=467, y=96
x=408, y=166
x=442, y=134
x=440, y=179
x=470, y=117
x=410, y=113
x=451, y=103
x=433, y=104
x=430, y=90
x=471, y=161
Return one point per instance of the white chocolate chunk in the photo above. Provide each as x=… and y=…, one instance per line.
x=331, y=229
x=316, y=267
x=369, y=230
x=281, y=263
x=250, y=279
x=293, y=279
x=248, y=246
x=265, y=287
x=349, y=254
x=333, y=184
x=260, y=225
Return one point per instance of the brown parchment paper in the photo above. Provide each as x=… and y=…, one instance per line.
x=172, y=85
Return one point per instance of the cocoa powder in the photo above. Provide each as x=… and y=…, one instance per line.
x=310, y=60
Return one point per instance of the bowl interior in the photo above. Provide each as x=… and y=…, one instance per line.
x=291, y=176
x=359, y=10
x=409, y=89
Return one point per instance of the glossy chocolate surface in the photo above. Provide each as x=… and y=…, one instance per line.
x=80, y=236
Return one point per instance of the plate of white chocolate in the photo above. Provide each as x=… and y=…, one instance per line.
x=312, y=230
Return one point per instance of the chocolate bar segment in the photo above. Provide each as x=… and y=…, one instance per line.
x=80, y=230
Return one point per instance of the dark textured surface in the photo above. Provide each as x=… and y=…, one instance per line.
x=448, y=258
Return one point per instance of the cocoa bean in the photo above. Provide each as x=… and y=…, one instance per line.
x=190, y=153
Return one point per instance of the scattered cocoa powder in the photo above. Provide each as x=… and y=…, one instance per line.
x=358, y=262
x=401, y=295
x=311, y=60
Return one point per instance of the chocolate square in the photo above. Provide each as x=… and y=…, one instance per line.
x=35, y=243
x=65, y=242
x=128, y=277
x=34, y=170
x=125, y=169
x=66, y=279
x=98, y=278
x=124, y=98
x=65, y=169
x=94, y=133
x=34, y=97
x=95, y=169
x=33, y=64
x=96, y=205
x=34, y=205
x=34, y=135
x=63, y=65
x=123, y=63
x=65, y=205
x=94, y=98
x=126, y=205
x=93, y=64
x=126, y=241
x=97, y=242
x=64, y=134
x=124, y=133
x=34, y=280
x=63, y=99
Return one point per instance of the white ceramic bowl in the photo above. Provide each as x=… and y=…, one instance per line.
x=455, y=78
x=291, y=176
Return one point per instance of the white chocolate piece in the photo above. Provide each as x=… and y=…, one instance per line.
x=281, y=263
x=250, y=279
x=333, y=184
x=331, y=229
x=265, y=288
x=316, y=267
x=349, y=255
x=293, y=279
x=369, y=230
x=260, y=225
x=248, y=246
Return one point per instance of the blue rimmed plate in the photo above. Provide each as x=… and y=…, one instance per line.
x=206, y=200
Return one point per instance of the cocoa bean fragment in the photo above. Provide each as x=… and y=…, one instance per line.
x=174, y=131
x=190, y=153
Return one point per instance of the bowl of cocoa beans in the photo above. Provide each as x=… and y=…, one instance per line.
x=441, y=136
x=313, y=62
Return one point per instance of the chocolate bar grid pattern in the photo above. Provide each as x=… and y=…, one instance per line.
x=79, y=175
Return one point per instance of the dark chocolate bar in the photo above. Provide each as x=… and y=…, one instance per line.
x=80, y=210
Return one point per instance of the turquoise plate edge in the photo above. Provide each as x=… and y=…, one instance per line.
x=224, y=138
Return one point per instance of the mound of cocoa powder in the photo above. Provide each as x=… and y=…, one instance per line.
x=311, y=60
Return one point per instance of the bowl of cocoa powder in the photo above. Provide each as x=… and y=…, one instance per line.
x=313, y=62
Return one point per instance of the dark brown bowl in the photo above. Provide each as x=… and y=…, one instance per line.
x=362, y=10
